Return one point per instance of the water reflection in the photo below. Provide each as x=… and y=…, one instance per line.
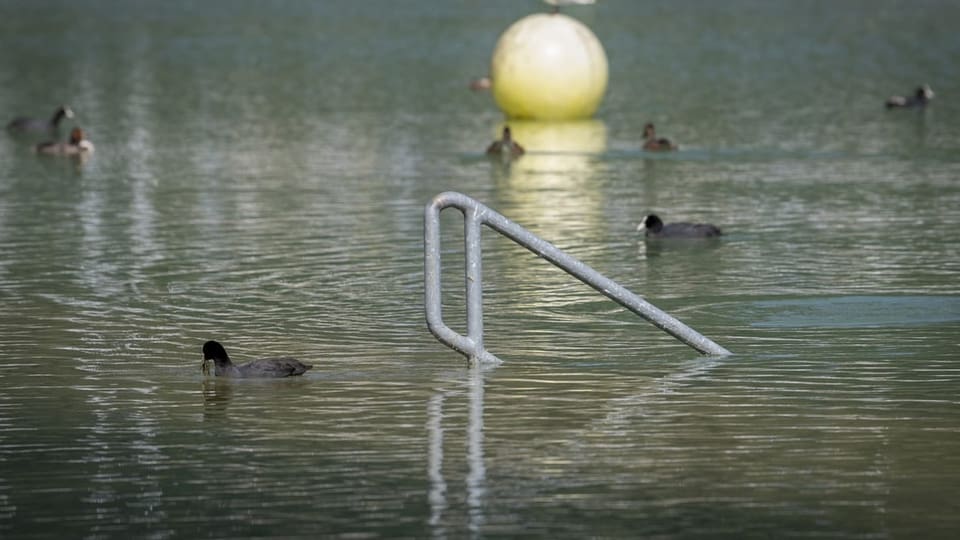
x=476, y=477
x=653, y=247
x=555, y=186
x=216, y=396
x=545, y=138
x=438, y=486
x=622, y=411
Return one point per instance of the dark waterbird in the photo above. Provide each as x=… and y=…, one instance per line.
x=654, y=227
x=653, y=143
x=921, y=96
x=506, y=147
x=262, y=368
x=25, y=124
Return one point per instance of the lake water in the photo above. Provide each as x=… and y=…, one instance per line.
x=260, y=177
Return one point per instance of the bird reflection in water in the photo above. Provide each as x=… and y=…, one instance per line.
x=217, y=394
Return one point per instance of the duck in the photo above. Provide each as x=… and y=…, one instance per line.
x=77, y=145
x=506, y=147
x=24, y=124
x=264, y=368
x=652, y=143
x=481, y=84
x=921, y=96
x=654, y=227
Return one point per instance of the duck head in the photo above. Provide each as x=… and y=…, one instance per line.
x=76, y=136
x=62, y=112
x=652, y=223
x=213, y=350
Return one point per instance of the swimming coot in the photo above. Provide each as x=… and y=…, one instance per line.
x=22, y=123
x=263, y=368
x=654, y=144
x=506, y=147
x=77, y=145
x=921, y=96
x=655, y=228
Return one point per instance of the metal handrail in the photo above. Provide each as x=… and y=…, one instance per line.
x=476, y=214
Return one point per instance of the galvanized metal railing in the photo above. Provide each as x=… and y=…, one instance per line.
x=476, y=214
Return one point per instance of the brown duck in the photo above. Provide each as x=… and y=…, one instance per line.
x=654, y=144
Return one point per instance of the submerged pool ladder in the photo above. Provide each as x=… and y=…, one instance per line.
x=476, y=214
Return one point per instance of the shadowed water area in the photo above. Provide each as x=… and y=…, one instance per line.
x=259, y=178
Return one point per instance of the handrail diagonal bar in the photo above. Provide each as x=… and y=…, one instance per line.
x=475, y=214
x=602, y=284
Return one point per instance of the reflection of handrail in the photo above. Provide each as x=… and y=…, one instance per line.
x=477, y=470
x=476, y=214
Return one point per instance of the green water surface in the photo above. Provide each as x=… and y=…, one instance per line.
x=260, y=174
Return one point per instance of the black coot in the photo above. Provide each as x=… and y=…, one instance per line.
x=654, y=227
x=263, y=368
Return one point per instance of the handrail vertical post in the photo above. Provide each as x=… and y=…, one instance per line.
x=470, y=345
x=474, y=275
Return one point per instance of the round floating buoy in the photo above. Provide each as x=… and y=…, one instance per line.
x=548, y=67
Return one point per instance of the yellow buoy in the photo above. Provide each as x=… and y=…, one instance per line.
x=548, y=67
